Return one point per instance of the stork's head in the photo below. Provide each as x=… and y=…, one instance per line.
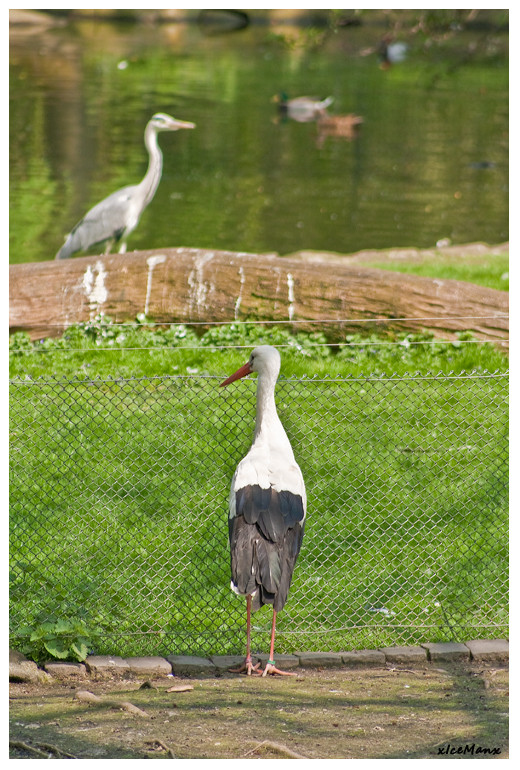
x=163, y=122
x=263, y=359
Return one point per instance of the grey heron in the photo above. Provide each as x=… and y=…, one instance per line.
x=267, y=507
x=113, y=219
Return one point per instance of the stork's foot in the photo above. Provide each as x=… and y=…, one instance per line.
x=270, y=668
x=247, y=667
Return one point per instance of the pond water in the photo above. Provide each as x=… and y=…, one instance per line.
x=429, y=162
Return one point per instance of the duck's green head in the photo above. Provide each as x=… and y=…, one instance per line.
x=280, y=98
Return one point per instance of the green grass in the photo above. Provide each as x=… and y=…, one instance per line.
x=490, y=270
x=119, y=488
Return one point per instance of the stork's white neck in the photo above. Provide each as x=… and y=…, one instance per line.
x=152, y=177
x=268, y=427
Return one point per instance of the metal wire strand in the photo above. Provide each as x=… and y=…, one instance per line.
x=144, y=322
x=174, y=349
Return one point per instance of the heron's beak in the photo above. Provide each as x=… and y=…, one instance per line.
x=242, y=372
x=176, y=124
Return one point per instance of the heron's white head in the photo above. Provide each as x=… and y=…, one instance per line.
x=163, y=122
x=265, y=359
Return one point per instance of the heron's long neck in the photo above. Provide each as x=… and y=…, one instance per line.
x=153, y=175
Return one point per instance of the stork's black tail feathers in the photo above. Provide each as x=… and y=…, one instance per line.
x=265, y=537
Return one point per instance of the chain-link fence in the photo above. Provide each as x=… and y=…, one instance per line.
x=119, y=493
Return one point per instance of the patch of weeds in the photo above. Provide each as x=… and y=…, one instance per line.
x=61, y=638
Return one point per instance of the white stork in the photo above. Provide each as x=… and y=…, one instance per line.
x=266, y=507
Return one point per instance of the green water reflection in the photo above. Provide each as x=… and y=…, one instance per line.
x=430, y=161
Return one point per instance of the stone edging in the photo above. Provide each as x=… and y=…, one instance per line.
x=107, y=666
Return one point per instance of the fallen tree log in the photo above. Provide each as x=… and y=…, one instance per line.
x=199, y=285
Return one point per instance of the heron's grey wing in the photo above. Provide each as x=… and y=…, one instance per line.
x=108, y=219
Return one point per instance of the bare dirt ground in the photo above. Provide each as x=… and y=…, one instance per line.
x=371, y=713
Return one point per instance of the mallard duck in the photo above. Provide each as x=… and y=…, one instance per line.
x=303, y=109
x=391, y=52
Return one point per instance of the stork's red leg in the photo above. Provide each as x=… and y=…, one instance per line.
x=248, y=666
x=270, y=667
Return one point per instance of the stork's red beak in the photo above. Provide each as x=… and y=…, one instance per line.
x=242, y=372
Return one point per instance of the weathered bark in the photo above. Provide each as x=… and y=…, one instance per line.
x=200, y=285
